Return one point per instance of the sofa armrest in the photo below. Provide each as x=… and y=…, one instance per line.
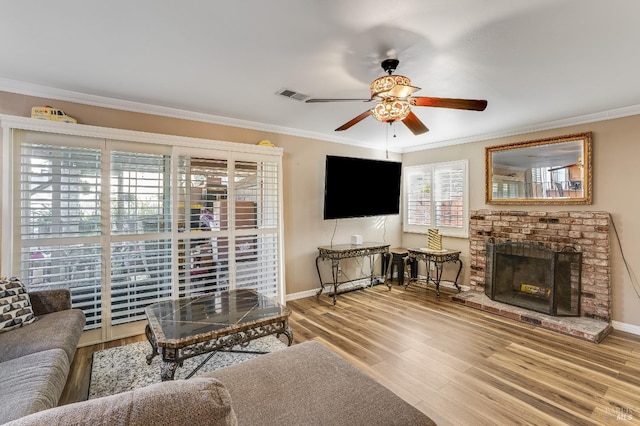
x=48, y=301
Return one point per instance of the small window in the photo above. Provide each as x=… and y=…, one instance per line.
x=436, y=196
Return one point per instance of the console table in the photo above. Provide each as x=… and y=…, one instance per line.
x=438, y=258
x=337, y=252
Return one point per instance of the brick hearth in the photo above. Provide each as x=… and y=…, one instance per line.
x=587, y=232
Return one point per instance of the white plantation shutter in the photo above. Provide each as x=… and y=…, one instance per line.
x=203, y=247
x=140, y=222
x=418, y=195
x=226, y=244
x=448, y=195
x=436, y=197
x=60, y=218
x=256, y=220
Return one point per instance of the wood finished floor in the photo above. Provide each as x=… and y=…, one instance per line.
x=459, y=365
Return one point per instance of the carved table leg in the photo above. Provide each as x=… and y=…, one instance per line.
x=319, y=292
x=335, y=271
x=152, y=341
x=457, y=276
x=288, y=332
x=438, y=277
x=168, y=370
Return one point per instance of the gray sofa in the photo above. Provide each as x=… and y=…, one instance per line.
x=305, y=384
x=35, y=358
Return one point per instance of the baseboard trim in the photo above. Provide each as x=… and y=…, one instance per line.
x=628, y=328
x=301, y=295
x=358, y=284
x=348, y=286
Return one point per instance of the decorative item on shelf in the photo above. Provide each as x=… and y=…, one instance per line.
x=434, y=239
x=50, y=113
x=266, y=142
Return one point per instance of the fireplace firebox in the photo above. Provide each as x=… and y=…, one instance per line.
x=534, y=277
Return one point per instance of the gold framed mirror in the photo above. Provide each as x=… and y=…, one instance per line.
x=544, y=171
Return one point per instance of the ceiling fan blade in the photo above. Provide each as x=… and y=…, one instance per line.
x=414, y=124
x=469, y=104
x=353, y=121
x=311, y=101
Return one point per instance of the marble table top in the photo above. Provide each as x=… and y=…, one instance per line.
x=185, y=321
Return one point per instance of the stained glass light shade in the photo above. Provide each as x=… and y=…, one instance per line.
x=392, y=86
x=391, y=109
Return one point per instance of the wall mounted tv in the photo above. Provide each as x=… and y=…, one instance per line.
x=358, y=187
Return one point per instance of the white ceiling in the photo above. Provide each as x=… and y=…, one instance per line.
x=538, y=63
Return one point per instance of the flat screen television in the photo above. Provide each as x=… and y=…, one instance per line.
x=358, y=187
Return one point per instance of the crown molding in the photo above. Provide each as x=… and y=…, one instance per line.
x=30, y=89
x=549, y=125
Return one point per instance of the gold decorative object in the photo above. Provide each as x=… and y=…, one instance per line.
x=434, y=239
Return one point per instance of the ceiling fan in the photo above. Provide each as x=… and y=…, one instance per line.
x=393, y=96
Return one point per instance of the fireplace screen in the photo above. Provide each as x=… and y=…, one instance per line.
x=533, y=277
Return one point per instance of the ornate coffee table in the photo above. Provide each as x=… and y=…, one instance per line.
x=188, y=327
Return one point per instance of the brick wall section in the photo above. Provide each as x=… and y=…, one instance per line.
x=587, y=232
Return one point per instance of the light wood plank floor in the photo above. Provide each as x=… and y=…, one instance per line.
x=459, y=365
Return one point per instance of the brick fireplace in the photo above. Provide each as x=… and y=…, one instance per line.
x=586, y=232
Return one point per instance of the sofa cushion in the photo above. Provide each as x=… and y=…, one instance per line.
x=308, y=384
x=15, y=305
x=58, y=330
x=32, y=383
x=192, y=402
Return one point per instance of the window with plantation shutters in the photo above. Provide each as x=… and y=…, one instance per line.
x=256, y=213
x=436, y=197
x=123, y=224
x=228, y=227
x=60, y=217
x=203, y=245
x=140, y=238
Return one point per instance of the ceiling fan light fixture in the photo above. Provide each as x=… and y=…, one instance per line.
x=385, y=87
x=391, y=109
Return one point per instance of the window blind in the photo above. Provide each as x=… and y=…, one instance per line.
x=59, y=196
x=203, y=248
x=256, y=195
x=436, y=197
x=140, y=209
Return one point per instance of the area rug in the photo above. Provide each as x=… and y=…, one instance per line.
x=125, y=368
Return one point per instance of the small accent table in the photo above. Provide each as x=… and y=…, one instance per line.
x=337, y=252
x=191, y=326
x=438, y=258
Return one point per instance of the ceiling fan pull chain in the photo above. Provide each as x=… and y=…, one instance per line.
x=386, y=143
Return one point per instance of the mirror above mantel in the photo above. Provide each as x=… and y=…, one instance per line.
x=544, y=171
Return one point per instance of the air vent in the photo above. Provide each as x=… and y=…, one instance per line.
x=293, y=95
